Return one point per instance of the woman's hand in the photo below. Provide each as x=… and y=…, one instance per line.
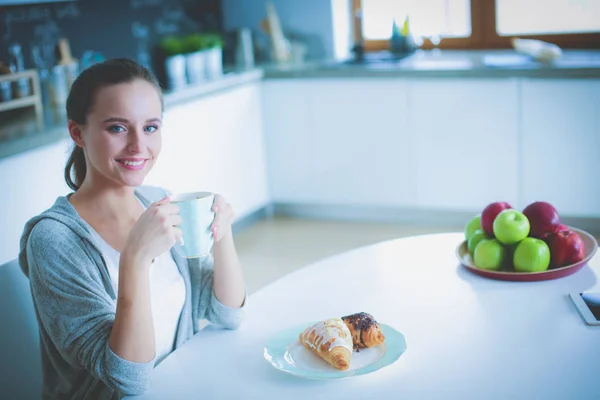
x=224, y=215
x=228, y=281
x=155, y=232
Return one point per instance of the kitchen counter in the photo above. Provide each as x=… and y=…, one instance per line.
x=32, y=141
x=58, y=130
x=449, y=63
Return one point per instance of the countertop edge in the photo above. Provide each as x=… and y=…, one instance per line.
x=447, y=63
x=31, y=142
x=573, y=73
x=228, y=81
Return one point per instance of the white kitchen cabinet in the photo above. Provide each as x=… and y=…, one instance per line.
x=339, y=142
x=31, y=182
x=467, y=141
x=216, y=143
x=363, y=151
x=290, y=141
x=560, y=156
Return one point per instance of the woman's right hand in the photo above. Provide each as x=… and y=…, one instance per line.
x=155, y=232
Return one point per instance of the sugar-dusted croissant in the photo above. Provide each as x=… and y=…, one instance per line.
x=331, y=340
x=365, y=331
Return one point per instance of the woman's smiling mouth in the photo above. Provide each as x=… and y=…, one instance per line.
x=132, y=163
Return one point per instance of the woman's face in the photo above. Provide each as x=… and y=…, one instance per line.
x=122, y=135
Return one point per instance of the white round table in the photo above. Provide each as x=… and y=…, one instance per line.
x=468, y=337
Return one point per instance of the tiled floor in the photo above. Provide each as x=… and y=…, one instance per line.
x=273, y=248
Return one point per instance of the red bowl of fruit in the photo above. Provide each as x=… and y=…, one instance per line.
x=533, y=245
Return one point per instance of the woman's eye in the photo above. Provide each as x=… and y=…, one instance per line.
x=151, y=128
x=116, y=129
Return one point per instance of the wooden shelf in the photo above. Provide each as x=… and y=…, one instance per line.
x=18, y=103
x=33, y=100
x=30, y=73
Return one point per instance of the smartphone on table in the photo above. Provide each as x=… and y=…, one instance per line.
x=588, y=305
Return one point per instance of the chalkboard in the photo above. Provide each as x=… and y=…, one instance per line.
x=114, y=28
x=21, y=2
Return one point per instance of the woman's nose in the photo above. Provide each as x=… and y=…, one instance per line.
x=134, y=144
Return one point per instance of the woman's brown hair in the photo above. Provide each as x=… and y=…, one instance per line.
x=81, y=99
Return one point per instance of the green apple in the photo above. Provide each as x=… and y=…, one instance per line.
x=472, y=226
x=511, y=226
x=474, y=240
x=531, y=255
x=489, y=254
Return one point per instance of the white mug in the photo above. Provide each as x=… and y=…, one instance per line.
x=197, y=216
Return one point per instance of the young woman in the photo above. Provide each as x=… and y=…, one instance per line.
x=112, y=291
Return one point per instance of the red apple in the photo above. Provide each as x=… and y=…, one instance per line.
x=566, y=247
x=489, y=215
x=542, y=218
x=555, y=230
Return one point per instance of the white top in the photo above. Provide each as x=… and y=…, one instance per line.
x=467, y=337
x=167, y=290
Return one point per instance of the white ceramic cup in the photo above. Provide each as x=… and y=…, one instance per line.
x=196, y=212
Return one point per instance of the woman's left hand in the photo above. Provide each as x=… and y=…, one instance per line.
x=224, y=215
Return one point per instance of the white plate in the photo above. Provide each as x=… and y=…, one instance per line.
x=285, y=352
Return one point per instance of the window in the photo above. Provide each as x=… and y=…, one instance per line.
x=427, y=17
x=471, y=24
x=518, y=17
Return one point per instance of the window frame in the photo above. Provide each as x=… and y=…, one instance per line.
x=483, y=33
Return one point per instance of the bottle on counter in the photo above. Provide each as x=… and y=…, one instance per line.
x=5, y=86
x=244, y=56
x=22, y=86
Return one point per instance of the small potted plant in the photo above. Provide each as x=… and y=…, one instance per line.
x=213, y=55
x=174, y=50
x=195, y=58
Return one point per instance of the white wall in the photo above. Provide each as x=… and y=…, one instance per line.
x=31, y=182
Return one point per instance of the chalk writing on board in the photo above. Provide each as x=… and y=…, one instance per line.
x=170, y=21
x=34, y=14
x=23, y=16
x=163, y=27
x=141, y=32
x=68, y=10
x=45, y=37
x=137, y=4
x=30, y=14
x=46, y=30
x=174, y=14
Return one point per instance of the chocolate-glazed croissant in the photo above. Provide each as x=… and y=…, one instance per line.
x=365, y=331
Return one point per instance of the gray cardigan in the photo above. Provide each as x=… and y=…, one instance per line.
x=75, y=305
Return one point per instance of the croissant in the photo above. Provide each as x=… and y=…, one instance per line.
x=365, y=331
x=331, y=340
